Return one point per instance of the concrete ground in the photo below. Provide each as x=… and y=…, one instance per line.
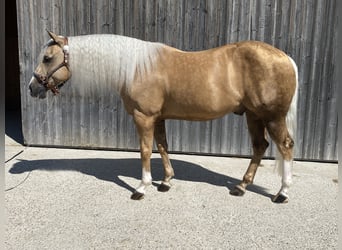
x=80, y=199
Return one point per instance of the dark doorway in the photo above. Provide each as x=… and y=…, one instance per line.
x=12, y=75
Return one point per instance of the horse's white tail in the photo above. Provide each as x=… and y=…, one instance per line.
x=291, y=121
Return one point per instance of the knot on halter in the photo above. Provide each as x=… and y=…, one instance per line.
x=66, y=48
x=66, y=53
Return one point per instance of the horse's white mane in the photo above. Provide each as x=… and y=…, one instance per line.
x=109, y=62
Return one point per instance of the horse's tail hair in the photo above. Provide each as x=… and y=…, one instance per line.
x=291, y=120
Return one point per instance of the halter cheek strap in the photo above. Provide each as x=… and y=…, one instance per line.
x=44, y=79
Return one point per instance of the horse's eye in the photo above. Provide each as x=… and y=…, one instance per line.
x=47, y=59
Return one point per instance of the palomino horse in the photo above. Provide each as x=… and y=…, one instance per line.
x=157, y=82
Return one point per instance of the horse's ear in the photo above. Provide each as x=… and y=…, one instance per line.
x=57, y=39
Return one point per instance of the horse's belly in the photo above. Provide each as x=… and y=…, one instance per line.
x=197, y=110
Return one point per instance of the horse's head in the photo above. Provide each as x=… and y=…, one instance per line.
x=53, y=71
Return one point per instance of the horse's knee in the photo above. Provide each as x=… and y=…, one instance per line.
x=162, y=148
x=145, y=153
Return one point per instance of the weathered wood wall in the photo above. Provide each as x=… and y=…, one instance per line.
x=306, y=30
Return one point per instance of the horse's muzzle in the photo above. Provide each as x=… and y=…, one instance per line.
x=36, y=89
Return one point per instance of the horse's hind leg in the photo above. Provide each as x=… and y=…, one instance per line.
x=160, y=137
x=256, y=129
x=280, y=135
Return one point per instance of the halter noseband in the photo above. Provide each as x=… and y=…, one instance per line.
x=44, y=79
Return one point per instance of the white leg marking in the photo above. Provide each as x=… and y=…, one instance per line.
x=286, y=177
x=146, y=180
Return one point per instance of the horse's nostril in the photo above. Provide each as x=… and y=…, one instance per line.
x=30, y=88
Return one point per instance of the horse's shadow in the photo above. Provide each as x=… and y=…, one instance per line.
x=111, y=169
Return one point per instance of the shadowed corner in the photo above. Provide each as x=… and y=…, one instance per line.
x=13, y=126
x=112, y=169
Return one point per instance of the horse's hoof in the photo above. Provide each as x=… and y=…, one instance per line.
x=137, y=196
x=163, y=188
x=280, y=198
x=237, y=191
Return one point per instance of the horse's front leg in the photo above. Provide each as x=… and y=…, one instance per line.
x=145, y=127
x=160, y=137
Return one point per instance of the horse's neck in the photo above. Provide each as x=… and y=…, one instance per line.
x=109, y=62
